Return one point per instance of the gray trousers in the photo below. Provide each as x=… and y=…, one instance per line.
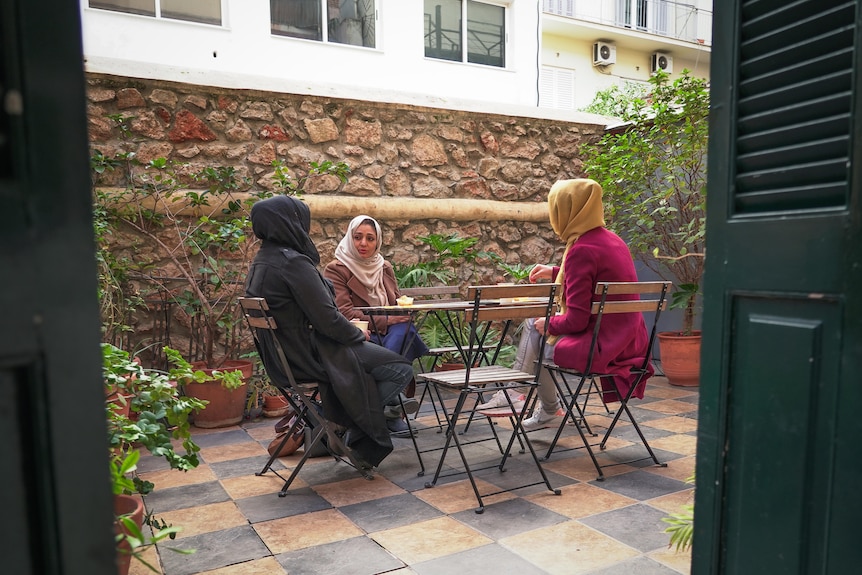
x=526, y=360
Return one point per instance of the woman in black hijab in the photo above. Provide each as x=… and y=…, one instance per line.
x=356, y=378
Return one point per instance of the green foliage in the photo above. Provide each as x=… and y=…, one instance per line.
x=160, y=421
x=156, y=420
x=419, y=274
x=653, y=174
x=183, y=373
x=294, y=186
x=681, y=525
x=617, y=100
x=517, y=272
x=450, y=254
x=198, y=220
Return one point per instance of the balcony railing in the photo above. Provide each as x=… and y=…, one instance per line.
x=678, y=20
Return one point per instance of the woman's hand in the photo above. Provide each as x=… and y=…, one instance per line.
x=541, y=272
x=539, y=324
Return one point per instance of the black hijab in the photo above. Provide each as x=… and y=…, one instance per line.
x=285, y=221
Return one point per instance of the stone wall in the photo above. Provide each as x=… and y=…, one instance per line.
x=394, y=151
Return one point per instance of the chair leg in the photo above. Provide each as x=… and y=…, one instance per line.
x=519, y=432
x=426, y=369
x=571, y=407
x=624, y=406
x=413, y=438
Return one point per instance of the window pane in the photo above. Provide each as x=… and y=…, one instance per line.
x=486, y=34
x=296, y=18
x=443, y=29
x=145, y=7
x=351, y=22
x=206, y=11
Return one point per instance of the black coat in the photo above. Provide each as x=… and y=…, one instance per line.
x=320, y=343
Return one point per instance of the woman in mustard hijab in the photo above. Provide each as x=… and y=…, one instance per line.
x=593, y=253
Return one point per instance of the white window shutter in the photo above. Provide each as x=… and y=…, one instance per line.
x=557, y=88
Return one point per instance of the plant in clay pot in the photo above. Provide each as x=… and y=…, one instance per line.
x=653, y=174
x=223, y=391
x=274, y=402
x=152, y=417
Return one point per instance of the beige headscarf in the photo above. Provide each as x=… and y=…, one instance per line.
x=369, y=271
x=574, y=207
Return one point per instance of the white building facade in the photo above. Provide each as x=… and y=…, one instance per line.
x=544, y=58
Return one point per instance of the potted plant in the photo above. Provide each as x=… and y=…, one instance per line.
x=653, y=173
x=274, y=402
x=149, y=415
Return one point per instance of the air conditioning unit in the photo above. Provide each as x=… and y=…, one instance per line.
x=604, y=54
x=661, y=61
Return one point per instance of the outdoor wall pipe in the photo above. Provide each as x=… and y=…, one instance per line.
x=344, y=207
x=450, y=209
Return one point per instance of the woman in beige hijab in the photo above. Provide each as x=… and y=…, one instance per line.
x=362, y=277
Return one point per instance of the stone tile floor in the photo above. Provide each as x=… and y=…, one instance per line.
x=333, y=521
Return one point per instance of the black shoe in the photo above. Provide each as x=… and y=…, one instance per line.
x=347, y=437
x=392, y=411
x=398, y=427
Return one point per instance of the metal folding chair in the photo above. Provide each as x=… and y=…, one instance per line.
x=649, y=298
x=300, y=395
x=491, y=304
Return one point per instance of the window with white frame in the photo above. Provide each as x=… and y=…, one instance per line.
x=204, y=11
x=648, y=15
x=481, y=41
x=557, y=88
x=347, y=21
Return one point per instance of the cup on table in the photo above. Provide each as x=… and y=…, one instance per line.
x=361, y=325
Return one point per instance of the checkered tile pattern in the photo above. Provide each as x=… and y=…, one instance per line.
x=332, y=521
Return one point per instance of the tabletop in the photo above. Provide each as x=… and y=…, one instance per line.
x=446, y=305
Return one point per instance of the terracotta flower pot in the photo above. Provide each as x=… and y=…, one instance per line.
x=680, y=357
x=226, y=407
x=123, y=405
x=127, y=505
x=274, y=405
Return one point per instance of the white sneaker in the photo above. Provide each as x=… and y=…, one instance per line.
x=499, y=400
x=541, y=420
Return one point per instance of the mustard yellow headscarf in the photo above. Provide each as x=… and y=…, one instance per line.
x=574, y=207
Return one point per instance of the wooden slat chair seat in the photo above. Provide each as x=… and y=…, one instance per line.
x=570, y=383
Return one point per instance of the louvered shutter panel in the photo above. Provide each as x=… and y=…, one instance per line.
x=794, y=105
x=557, y=88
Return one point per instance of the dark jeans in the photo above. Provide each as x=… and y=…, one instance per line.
x=391, y=380
x=389, y=370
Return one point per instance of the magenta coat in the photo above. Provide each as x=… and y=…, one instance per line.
x=599, y=255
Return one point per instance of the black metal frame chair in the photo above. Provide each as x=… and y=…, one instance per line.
x=570, y=382
x=300, y=395
x=491, y=304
